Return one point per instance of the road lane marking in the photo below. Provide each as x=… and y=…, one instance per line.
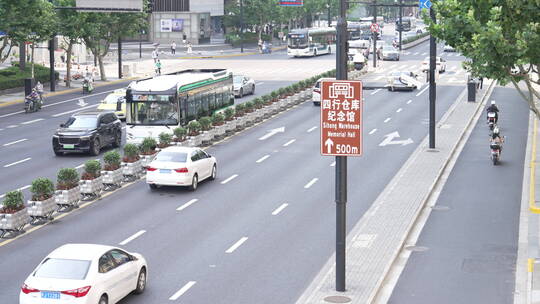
x=260, y=160
x=376, y=91
x=423, y=90
x=17, y=162
x=182, y=290
x=279, y=209
x=416, y=54
x=31, y=121
x=11, y=126
x=236, y=245
x=387, y=120
x=372, y=131
x=311, y=129
x=333, y=164
x=15, y=142
x=21, y=189
x=424, y=54
x=131, y=238
x=79, y=166
x=76, y=110
x=229, y=179
x=259, y=83
x=289, y=142
x=409, y=101
x=313, y=181
x=184, y=206
x=399, y=110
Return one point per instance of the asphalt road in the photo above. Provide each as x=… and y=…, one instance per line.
x=472, y=247
x=279, y=248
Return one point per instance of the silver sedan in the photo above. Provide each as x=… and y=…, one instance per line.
x=243, y=85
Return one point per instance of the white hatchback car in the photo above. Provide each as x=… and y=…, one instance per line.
x=180, y=166
x=84, y=274
x=439, y=62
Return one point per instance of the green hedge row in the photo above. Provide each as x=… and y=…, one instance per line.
x=13, y=77
x=251, y=38
x=409, y=40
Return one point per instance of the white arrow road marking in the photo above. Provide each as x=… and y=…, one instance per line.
x=329, y=143
x=182, y=290
x=81, y=102
x=289, y=142
x=313, y=181
x=279, y=209
x=31, y=121
x=131, y=238
x=388, y=140
x=14, y=142
x=333, y=164
x=229, y=179
x=260, y=160
x=236, y=245
x=17, y=162
x=184, y=206
x=272, y=133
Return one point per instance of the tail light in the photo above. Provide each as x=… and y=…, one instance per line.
x=27, y=289
x=181, y=170
x=150, y=168
x=77, y=293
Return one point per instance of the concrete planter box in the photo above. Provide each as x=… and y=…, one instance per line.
x=259, y=114
x=112, y=179
x=250, y=119
x=230, y=126
x=41, y=210
x=220, y=131
x=274, y=108
x=131, y=170
x=195, y=141
x=146, y=159
x=66, y=199
x=266, y=111
x=283, y=104
x=241, y=123
x=91, y=188
x=208, y=136
x=11, y=222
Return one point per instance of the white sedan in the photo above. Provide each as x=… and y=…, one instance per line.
x=243, y=85
x=84, y=274
x=439, y=62
x=180, y=166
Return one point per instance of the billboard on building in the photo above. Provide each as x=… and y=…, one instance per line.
x=177, y=25
x=109, y=6
x=166, y=25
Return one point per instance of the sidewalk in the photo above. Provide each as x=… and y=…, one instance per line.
x=377, y=239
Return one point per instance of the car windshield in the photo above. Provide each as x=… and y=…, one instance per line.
x=238, y=79
x=388, y=48
x=81, y=122
x=168, y=156
x=112, y=98
x=63, y=269
x=157, y=112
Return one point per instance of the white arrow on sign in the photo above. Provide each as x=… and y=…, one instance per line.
x=329, y=143
x=389, y=140
x=272, y=133
x=81, y=102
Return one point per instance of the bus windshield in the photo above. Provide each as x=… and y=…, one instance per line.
x=298, y=41
x=162, y=110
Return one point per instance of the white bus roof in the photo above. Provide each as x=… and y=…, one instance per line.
x=177, y=80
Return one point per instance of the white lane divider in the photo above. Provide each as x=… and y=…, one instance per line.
x=182, y=290
x=131, y=238
x=313, y=181
x=289, y=142
x=17, y=162
x=387, y=120
x=424, y=54
x=259, y=83
x=236, y=245
x=11, y=126
x=416, y=54
x=333, y=164
x=229, y=179
x=260, y=160
x=399, y=110
x=31, y=121
x=15, y=142
x=79, y=166
x=21, y=189
x=184, y=206
x=376, y=91
x=409, y=101
x=279, y=209
x=76, y=110
x=372, y=131
x=423, y=90
x=311, y=129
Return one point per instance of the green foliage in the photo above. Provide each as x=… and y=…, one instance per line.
x=229, y=113
x=194, y=127
x=217, y=118
x=411, y=39
x=258, y=103
x=165, y=139
x=13, y=77
x=266, y=98
x=180, y=133
x=148, y=145
x=282, y=92
x=248, y=106
x=42, y=189
x=206, y=123
x=67, y=178
x=13, y=200
x=131, y=150
x=112, y=158
x=301, y=84
x=92, y=167
x=240, y=109
x=274, y=94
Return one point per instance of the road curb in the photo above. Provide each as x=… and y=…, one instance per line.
x=230, y=55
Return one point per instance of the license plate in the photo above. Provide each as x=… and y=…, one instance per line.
x=69, y=146
x=50, y=295
x=164, y=170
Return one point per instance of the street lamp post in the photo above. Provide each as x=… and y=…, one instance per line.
x=329, y=15
x=241, y=26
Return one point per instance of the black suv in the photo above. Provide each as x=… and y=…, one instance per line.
x=88, y=132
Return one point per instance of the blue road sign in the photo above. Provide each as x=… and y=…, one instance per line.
x=424, y=4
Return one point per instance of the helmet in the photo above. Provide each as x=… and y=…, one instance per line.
x=496, y=131
x=493, y=102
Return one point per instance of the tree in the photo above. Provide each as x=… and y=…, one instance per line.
x=500, y=38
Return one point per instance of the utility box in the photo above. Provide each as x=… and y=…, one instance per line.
x=28, y=86
x=471, y=89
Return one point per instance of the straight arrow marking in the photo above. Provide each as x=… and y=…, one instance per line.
x=272, y=133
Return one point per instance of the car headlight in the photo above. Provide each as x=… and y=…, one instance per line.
x=55, y=136
x=86, y=137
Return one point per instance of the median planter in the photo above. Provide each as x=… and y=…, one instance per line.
x=220, y=131
x=68, y=193
x=91, y=182
x=13, y=215
x=42, y=205
x=131, y=165
x=112, y=173
x=241, y=123
x=230, y=126
x=147, y=151
x=195, y=141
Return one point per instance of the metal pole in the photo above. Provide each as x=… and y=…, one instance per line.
x=241, y=26
x=400, y=21
x=140, y=44
x=432, y=84
x=374, y=37
x=119, y=57
x=329, y=17
x=52, y=77
x=341, y=161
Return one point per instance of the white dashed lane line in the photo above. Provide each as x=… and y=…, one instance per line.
x=372, y=131
x=182, y=290
x=76, y=110
x=11, y=126
x=423, y=90
x=409, y=101
x=313, y=181
x=311, y=129
x=387, y=120
x=131, y=238
x=279, y=209
x=31, y=121
x=15, y=142
x=184, y=206
x=17, y=162
x=399, y=110
x=260, y=160
x=236, y=245
x=21, y=189
x=289, y=142
x=376, y=91
x=229, y=179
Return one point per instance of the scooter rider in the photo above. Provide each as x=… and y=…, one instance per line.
x=496, y=138
x=493, y=109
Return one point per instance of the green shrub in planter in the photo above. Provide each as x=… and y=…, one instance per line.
x=281, y=92
x=92, y=169
x=229, y=113
x=180, y=133
x=257, y=103
x=194, y=127
x=217, y=119
x=266, y=99
x=112, y=160
x=248, y=106
x=131, y=153
x=206, y=123
x=240, y=109
x=42, y=189
x=68, y=178
x=148, y=146
x=302, y=84
x=164, y=139
x=274, y=95
x=13, y=202
x=289, y=90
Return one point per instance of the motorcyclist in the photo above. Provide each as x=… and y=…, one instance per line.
x=33, y=99
x=493, y=109
x=496, y=138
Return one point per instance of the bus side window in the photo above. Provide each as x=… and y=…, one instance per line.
x=182, y=101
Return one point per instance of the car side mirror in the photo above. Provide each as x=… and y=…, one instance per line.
x=62, y=125
x=132, y=258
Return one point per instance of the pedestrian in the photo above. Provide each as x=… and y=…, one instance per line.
x=158, y=67
x=481, y=81
x=189, y=48
x=155, y=55
x=173, y=48
x=260, y=44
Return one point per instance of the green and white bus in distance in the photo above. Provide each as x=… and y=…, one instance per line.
x=311, y=41
x=165, y=102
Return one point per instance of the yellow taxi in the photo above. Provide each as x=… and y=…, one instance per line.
x=116, y=101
